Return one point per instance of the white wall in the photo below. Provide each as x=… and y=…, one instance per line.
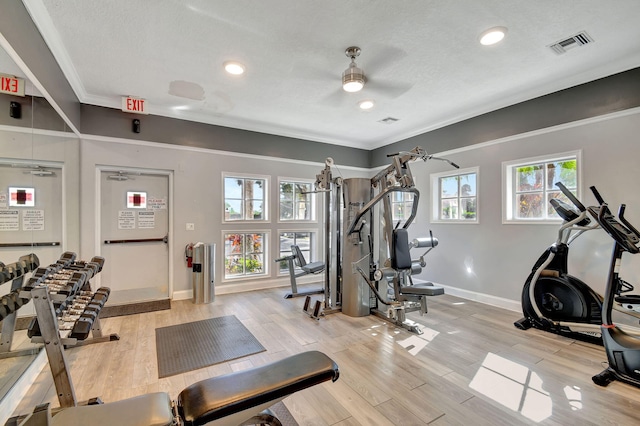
x=198, y=199
x=500, y=256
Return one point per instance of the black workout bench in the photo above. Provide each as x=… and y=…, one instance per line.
x=239, y=398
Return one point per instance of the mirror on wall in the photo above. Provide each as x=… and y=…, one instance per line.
x=39, y=205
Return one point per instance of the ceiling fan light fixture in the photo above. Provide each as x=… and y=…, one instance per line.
x=492, y=36
x=234, y=68
x=352, y=79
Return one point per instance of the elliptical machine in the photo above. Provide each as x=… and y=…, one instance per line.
x=552, y=299
x=623, y=348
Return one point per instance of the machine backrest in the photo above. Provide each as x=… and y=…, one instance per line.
x=401, y=258
x=299, y=258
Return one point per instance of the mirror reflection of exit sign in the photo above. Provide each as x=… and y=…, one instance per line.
x=135, y=105
x=11, y=85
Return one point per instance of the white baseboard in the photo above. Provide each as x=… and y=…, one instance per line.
x=250, y=285
x=487, y=299
x=12, y=399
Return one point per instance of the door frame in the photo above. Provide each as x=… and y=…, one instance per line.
x=98, y=211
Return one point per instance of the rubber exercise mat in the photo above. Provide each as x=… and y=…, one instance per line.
x=194, y=345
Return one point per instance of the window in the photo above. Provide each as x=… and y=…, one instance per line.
x=303, y=239
x=455, y=196
x=245, y=198
x=530, y=184
x=244, y=254
x=401, y=205
x=297, y=203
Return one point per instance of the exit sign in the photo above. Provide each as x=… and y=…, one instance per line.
x=135, y=105
x=11, y=85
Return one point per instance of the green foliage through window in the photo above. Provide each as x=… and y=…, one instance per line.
x=535, y=186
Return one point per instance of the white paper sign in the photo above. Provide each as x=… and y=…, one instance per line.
x=4, y=202
x=126, y=219
x=9, y=220
x=156, y=203
x=146, y=220
x=33, y=220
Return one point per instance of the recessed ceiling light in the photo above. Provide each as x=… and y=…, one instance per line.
x=234, y=68
x=366, y=104
x=492, y=35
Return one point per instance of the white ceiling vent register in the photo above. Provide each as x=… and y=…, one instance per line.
x=577, y=40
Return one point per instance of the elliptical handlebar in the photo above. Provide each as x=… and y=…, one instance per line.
x=597, y=195
x=625, y=221
x=572, y=197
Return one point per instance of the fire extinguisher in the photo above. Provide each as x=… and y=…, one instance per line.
x=188, y=254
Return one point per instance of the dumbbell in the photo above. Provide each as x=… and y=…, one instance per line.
x=67, y=258
x=99, y=260
x=30, y=261
x=82, y=328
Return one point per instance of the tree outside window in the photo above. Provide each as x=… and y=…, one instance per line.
x=534, y=187
x=296, y=201
x=244, y=254
x=244, y=199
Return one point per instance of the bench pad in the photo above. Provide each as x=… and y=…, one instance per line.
x=214, y=398
x=423, y=290
x=153, y=409
x=313, y=267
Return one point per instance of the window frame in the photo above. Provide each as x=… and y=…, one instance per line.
x=436, y=194
x=313, y=248
x=313, y=200
x=509, y=192
x=265, y=255
x=265, y=199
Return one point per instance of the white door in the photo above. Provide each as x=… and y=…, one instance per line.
x=31, y=211
x=134, y=233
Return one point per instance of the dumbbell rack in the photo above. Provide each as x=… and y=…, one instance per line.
x=12, y=301
x=66, y=313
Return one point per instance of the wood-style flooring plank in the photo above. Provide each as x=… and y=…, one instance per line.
x=470, y=367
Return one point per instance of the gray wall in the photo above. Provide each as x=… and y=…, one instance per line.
x=500, y=256
x=115, y=123
x=614, y=93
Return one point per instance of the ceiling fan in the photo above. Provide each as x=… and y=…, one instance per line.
x=354, y=79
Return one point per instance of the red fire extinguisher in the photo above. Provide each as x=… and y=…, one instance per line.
x=188, y=254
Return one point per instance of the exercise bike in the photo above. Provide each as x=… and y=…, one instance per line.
x=622, y=347
x=552, y=299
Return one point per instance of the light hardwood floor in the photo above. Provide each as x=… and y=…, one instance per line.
x=470, y=367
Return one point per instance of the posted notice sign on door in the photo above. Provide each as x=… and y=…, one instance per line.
x=126, y=219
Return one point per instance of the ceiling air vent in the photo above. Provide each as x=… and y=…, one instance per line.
x=389, y=120
x=577, y=40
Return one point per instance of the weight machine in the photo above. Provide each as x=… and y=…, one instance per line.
x=368, y=260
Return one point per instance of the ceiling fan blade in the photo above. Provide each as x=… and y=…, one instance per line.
x=379, y=57
x=387, y=88
x=335, y=99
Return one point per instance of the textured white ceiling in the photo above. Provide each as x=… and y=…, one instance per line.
x=422, y=58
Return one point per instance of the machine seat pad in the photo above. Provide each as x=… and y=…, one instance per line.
x=313, y=267
x=423, y=290
x=217, y=397
x=153, y=409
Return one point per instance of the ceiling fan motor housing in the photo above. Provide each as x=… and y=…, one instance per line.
x=353, y=77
